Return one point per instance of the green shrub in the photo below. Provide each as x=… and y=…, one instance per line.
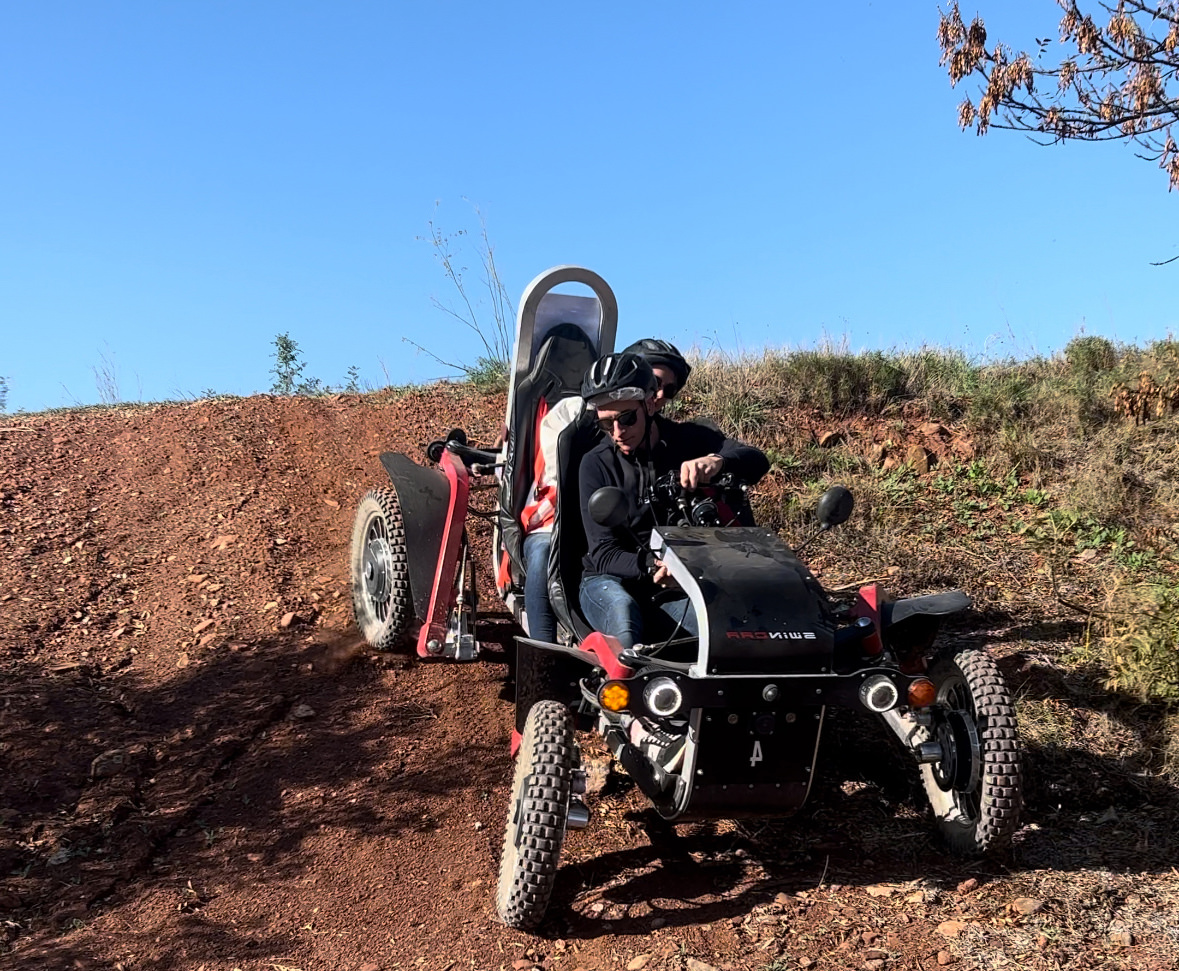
x=733, y=391
x=1090, y=353
x=1140, y=647
x=288, y=369
x=489, y=374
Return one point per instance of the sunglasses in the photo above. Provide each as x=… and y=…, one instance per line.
x=624, y=420
x=670, y=389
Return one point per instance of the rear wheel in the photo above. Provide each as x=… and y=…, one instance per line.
x=537, y=816
x=381, y=598
x=976, y=788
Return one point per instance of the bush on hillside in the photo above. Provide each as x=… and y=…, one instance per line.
x=1140, y=646
x=1090, y=353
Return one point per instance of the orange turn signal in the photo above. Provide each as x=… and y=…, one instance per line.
x=922, y=693
x=614, y=695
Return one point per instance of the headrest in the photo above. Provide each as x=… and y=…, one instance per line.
x=564, y=356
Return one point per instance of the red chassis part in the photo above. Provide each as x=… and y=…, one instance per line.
x=442, y=596
x=869, y=602
x=606, y=649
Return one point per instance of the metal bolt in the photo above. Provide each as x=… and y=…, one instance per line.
x=733, y=719
x=770, y=692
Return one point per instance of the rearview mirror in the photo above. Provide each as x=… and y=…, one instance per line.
x=608, y=506
x=834, y=507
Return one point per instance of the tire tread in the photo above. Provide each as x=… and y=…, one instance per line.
x=542, y=788
x=1001, y=786
x=382, y=635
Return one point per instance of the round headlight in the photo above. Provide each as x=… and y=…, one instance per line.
x=879, y=694
x=663, y=697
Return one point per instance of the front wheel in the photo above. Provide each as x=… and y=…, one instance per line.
x=537, y=816
x=975, y=789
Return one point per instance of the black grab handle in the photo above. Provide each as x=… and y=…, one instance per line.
x=479, y=460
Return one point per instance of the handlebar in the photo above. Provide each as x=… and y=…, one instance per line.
x=474, y=456
x=481, y=461
x=712, y=504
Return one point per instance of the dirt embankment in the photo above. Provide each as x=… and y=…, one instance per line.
x=201, y=768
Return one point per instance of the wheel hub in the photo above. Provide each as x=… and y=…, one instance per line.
x=378, y=569
x=960, y=767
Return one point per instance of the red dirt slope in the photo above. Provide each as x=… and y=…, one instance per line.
x=200, y=767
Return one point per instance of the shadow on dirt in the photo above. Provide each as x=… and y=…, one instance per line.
x=1081, y=809
x=866, y=824
x=154, y=792
x=687, y=880
x=994, y=625
x=158, y=800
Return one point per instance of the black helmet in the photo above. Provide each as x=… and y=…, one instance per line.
x=662, y=353
x=618, y=377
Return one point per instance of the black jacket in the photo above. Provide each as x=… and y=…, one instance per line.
x=615, y=551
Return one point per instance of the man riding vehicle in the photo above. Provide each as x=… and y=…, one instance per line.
x=671, y=373
x=621, y=574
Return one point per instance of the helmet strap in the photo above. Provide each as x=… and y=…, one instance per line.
x=651, y=433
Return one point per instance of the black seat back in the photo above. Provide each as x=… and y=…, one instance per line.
x=558, y=367
x=569, y=543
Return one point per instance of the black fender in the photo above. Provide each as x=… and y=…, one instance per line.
x=424, y=494
x=910, y=624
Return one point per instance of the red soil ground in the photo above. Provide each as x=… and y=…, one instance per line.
x=202, y=768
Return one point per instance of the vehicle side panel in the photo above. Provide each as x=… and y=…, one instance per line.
x=425, y=506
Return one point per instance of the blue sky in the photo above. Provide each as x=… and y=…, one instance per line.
x=182, y=181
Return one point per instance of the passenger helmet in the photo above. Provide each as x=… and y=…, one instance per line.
x=618, y=377
x=657, y=352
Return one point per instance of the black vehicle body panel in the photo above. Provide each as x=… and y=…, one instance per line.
x=758, y=764
x=766, y=611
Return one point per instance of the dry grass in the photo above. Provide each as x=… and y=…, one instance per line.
x=1139, y=642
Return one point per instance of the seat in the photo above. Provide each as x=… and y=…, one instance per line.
x=569, y=543
x=563, y=358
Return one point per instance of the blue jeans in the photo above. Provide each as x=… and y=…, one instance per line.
x=542, y=624
x=612, y=609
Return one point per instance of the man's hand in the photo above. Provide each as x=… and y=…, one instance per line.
x=663, y=578
x=701, y=471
